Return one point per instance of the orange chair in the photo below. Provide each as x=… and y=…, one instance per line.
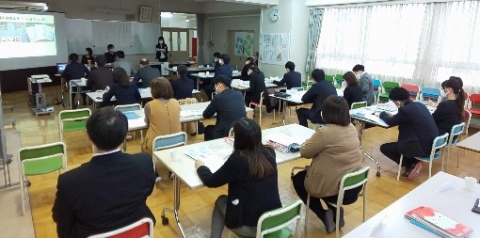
x=475, y=105
x=466, y=96
x=413, y=90
x=139, y=229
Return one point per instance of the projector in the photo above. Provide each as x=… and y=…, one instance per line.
x=41, y=78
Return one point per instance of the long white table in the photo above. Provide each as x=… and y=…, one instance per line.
x=145, y=93
x=471, y=143
x=183, y=168
x=192, y=69
x=245, y=85
x=443, y=192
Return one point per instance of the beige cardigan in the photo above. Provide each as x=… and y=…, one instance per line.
x=335, y=151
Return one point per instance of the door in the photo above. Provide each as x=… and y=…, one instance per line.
x=177, y=40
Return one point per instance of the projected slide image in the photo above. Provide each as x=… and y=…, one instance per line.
x=25, y=35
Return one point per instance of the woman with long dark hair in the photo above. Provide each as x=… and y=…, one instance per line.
x=257, y=84
x=450, y=111
x=252, y=178
x=161, y=50
x=353, y=92
x=88, y=57
x=124, y=91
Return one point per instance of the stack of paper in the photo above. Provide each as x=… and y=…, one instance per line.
x=212, y=160
x=433, y=221
x=191, y=113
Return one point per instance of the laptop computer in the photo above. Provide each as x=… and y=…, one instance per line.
x=61, y=67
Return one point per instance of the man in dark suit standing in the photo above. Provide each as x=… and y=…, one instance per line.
x=111, y=190
x=229, y=106
x=100, y=77
x=146, y=73
x=291, y=78
x=317, y=94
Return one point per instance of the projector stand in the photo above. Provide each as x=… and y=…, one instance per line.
x=40, y=99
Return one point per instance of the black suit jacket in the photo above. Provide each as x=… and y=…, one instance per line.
x=255, y=195
x=353, y=93
x=124, y=95
x=99, y=78
x=292, y=79
x=75, y=70
x=146, y=74
x=229, y=106
x=107, y=193
x=318, y=93
x=109, y=57
x=416, y=129
x=182, y=87
x=257, y=86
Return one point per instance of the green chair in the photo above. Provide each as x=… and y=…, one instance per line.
x=339, y=80
x=349, y=181
x=329, y=78
x=387, y=87
x=274, y=224
x=38, y=160
x=72, y=120
x=356, y=105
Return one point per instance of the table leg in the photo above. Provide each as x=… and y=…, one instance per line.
x=198, y=83
x=360, y=135
x=79, y=91
x=284, y=112
x=62, y=86
x=176, y=206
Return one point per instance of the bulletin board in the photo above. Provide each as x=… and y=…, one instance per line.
x=243, y=44
x=274, y=48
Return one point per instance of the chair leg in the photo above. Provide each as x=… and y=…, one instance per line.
x=458, y=155
x=430, y=163
x=448, y=158
x=364, y=200
x=22, y=184
x=307, y=211
x=260, y=107
x=399, y=167
x=337, y=221
x=273, y=115
x=141, y=136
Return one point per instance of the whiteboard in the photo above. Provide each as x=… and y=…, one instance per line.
x=274, y=48
x=130, y=37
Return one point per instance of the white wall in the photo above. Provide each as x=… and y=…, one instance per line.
x=221, y=26
x=294, y=17
x=225, y=7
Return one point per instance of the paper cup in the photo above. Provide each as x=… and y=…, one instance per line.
x=175, y=156
x=469, y=183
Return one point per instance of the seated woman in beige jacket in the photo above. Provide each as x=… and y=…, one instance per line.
x=162, y=114
x=335, y=151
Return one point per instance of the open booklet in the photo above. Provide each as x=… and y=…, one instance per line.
x=285, y=143
x=213, y=160
x=369, y=118
x=191, y=113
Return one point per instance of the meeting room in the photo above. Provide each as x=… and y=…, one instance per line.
x=239, y=118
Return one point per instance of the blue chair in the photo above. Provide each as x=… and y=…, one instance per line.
x=429, y=93
x=130, y=108
x=454, y=138
x=377, y=84
x=169, y=141
x=439, y=143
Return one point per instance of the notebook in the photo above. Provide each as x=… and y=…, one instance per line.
x=131, y=115
x=438, y=222
x=212, y=160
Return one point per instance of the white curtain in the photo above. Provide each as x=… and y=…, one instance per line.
x=423, y=44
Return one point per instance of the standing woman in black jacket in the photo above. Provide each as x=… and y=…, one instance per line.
x=257, y=84
x=161, y=50
x=252, y=178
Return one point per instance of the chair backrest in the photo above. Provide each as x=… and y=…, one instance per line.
x=355, y=179
x=475, y=100
x=128, y=107
x=169, y=141
x=339, y=78
x=455, y=132
x=389, y=85
x=438, y=143
x=466, y=96
x=467, y=117
x=273, y=221
x=430, y=93
x=139, y=229
x=412, y=89
x=329, y=78
x=356, y=105
x=73, y=120
x=43, y=159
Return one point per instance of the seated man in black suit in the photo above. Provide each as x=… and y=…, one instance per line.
x=257, y=84
x=75, y=70
x=110, y=54
x=100, y=77
x=416, y=132
x=319, y=91
x=291, y=78
x=229, y=106
x=146, y=73
x=111, y=190
x=183, y=86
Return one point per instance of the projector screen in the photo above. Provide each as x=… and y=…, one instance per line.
x=31, y=39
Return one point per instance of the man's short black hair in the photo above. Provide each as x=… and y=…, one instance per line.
x=182, y=70
x=399, y=94
x=290, y=65
x=222, y=79
x=110, y=46
x=120, y=54
x=358, y=67
x=107, y=128
x=100, y=60
x=225, y=58
x=318, y=74
x=217, y=55
x=73, y=57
